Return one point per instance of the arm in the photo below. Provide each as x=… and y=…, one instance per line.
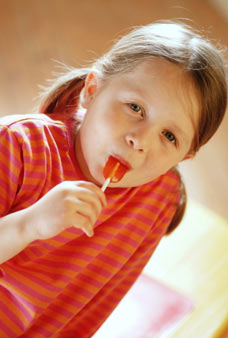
x=68, y=204
x=14, y=236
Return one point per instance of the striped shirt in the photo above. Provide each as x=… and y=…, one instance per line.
x=68, y=285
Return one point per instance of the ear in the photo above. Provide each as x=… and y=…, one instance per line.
x=92, y=84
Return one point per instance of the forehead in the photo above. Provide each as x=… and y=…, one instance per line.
x=161, y=75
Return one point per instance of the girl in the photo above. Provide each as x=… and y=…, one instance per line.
x=69, y=251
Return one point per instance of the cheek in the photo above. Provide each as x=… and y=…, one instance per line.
x=104, y=122
x=160, y=163
x=110, y=117
x=110, y=127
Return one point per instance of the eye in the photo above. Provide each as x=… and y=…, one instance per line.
x=136, y=108
x=170, y=136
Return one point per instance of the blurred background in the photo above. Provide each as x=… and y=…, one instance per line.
x=34, y=33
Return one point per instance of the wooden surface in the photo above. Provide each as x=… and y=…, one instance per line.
x=194, y=260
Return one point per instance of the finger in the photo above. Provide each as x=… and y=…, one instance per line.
x=82, y=222
x=87, y=209
x=95, y=189
x=90, y=198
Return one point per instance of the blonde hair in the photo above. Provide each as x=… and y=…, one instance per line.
x=172, y=41
x=175, y=42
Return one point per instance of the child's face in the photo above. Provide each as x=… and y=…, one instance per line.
x=144, y=118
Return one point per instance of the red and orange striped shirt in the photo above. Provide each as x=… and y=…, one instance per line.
x=68, y=285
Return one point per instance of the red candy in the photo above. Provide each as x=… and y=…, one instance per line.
x=114, y=170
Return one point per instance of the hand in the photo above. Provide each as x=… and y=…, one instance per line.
x=70, y=203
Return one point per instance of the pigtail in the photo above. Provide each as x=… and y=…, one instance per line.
x=181, y=207
x=63, y=95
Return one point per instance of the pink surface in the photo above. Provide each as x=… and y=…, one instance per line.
x=149, y=310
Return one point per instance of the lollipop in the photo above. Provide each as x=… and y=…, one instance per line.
x=113, y=171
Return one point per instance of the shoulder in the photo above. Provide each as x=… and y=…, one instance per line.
x=160, y=197
x=39, y=120
x=10, y=120
x=32, y=127
x=166, y=186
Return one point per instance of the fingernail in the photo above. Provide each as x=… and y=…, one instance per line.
x=90, y=234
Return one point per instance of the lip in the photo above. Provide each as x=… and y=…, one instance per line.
x=122, y=161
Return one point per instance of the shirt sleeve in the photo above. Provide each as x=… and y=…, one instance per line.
x=10, y=169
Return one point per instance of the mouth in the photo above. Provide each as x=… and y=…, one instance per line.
x=122, y=161
x=115, y=168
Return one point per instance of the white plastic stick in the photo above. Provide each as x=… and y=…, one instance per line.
x=106, y=183
x=111, y=175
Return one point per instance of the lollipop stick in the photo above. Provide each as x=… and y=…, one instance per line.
x=111, y=175
x=106, y=183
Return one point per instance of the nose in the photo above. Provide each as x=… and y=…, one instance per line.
x=138, y=140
